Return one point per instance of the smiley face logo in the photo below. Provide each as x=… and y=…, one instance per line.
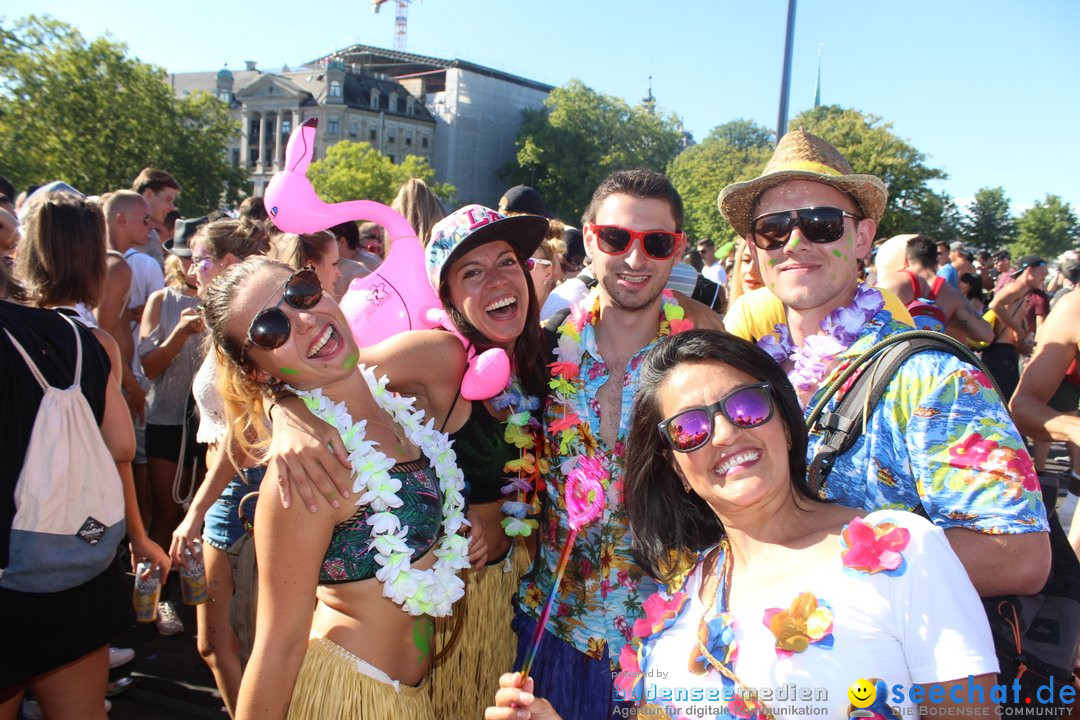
x=862, y=693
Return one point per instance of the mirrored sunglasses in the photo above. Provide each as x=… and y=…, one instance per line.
x=746, y=407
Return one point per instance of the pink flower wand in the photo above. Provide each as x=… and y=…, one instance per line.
x=584, y=503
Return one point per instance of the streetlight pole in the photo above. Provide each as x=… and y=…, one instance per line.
x=785, y=80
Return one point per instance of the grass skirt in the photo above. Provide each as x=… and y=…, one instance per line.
x=334, y=684
x=465, y=679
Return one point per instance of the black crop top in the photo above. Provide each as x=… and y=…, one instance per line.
x=482, y=453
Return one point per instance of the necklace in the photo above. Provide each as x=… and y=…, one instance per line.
x=521, y=429
x=841, y=327
x=420, y=592
x=567, y=383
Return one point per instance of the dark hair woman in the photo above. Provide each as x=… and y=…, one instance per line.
x=767, y=586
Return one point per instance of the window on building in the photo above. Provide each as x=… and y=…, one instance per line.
x=401, y=105
x=286, y=127
x=333, y=126
x=423, y=142
x=354, y=128
x=374, y=99
x=373, y=135
x=408, y=141
x=335, y=88
x=410, y=106
x=224, y=96
x=236, y=157
x=393, y=159
x=390, y=140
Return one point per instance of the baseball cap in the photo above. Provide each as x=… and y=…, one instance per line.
x=472, y=226
x=522, y=199
x=1026, y=262
x=956, y=246
x=1002, y=255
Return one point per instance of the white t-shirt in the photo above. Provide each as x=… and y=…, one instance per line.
x=146, y=278
x=715, y=272
x=923, y=625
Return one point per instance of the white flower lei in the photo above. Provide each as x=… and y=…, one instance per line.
x=420, y=592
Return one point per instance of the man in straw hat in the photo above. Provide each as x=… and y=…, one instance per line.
x=940, y=439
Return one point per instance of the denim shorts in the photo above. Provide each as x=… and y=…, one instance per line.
x=223, y=527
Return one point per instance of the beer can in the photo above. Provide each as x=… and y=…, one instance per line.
x=147, y=590
x=193, y=575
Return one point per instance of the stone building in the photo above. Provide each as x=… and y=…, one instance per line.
x=350, y=104
x=477, y=113
x=462, y=117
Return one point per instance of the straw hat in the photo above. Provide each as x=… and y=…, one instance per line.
x=802, y=156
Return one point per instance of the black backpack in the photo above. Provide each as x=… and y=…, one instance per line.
x=1036, y=637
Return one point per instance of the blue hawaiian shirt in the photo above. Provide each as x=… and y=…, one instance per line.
x=941, y=438
x=603, y=587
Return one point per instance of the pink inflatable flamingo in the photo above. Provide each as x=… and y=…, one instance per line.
x=396, y=297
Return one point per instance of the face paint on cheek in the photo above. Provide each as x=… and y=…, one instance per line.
x=287, y=371
x=773, y=262
x=351, y=360
x=423, y=634
x=837, y=253
x=795, y=242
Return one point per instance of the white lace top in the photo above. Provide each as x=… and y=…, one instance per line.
x=211, y=406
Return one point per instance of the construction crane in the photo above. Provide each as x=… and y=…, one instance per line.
x=401, y=21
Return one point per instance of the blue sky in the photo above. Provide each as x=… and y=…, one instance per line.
x=988, y=89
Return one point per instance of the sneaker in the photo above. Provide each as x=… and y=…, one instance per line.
x=168, y=622
x=120, y=656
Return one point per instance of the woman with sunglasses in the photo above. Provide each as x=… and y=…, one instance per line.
x=375, y=569
x=231, y=475
x=766, y=585
x=477, y=260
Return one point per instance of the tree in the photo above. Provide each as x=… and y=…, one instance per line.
x=356, y=170
x=870, y=146
x=731, y=152
x=936, y=215
x=989, y=223
x=579, y=137
x=85, y=113
x=1048, y=228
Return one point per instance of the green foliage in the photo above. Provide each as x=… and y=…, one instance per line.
x=989, y=223
x=579, y=137
x=357, y=171
x=732, y=152
x=870, y=146
x=84, y=112
x=1048, y=228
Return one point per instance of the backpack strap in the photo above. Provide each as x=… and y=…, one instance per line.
x=935, y=287
x=842, y=426
x=35, y=371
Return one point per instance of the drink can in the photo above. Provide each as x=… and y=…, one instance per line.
x=147, y=590
x=193, y=575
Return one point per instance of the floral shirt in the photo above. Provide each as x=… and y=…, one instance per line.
x=603, y=587
x=941, y=438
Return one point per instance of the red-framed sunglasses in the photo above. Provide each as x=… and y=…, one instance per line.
x=616, y=240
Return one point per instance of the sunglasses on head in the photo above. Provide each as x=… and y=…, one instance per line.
x=746, y=407
x=817, y=224
x=270, y=328
x=615, y=240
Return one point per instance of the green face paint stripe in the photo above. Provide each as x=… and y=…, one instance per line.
x=773, y=262
x=287, y=371
x=351, y=360
x=795, y=242
x=837, y=253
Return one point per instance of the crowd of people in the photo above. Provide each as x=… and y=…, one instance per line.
x=376, y=544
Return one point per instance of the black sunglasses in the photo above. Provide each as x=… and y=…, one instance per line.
x=817, y=224
x=270, y=328
x=745, y=407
